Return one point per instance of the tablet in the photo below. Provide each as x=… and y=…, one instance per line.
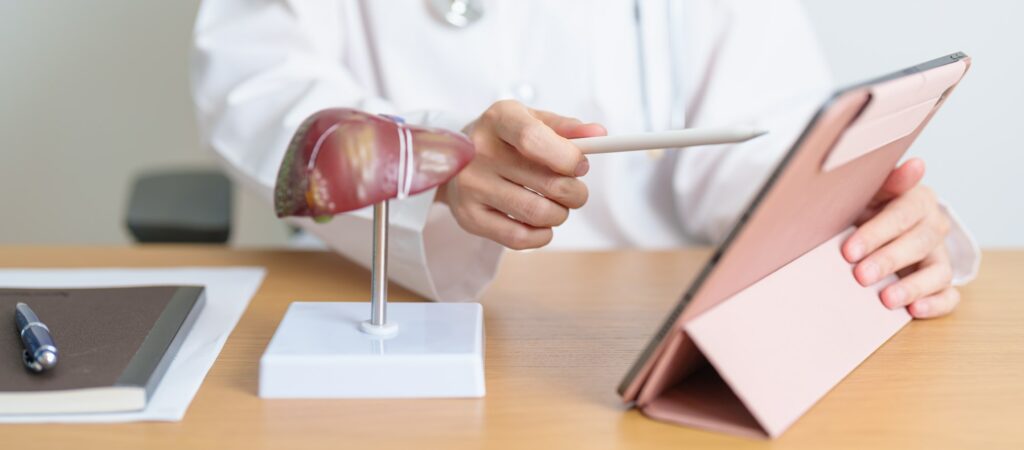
x=804, y=211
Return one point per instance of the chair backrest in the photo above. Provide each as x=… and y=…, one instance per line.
x=182, y=206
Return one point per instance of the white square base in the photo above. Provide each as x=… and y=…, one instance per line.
x=319, y=351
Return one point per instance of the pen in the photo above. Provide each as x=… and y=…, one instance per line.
x=665, y=139
x=40, y=352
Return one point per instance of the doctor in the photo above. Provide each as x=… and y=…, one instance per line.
x=513, y=75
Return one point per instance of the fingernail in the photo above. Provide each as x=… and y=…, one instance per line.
x=582, y=168
x=856, y=251
x=868, y=273
x=894, y=297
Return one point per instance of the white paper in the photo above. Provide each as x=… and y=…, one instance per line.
x=228, y=291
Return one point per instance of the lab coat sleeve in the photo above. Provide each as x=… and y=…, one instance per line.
x=759, y=65
x=964, y=252
x=259, y=68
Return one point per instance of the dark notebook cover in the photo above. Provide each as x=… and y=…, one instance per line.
x=106, y=337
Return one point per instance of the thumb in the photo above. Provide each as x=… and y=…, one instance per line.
x=900, y=180
x=569, y=127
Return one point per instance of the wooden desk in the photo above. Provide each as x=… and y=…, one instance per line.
x=561, y=331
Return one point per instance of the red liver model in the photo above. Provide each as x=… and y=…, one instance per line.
x=341, y=160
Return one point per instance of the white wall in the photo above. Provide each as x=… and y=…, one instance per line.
x=92, y=92
x=973, y=145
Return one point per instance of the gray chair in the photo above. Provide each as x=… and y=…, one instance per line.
x=180, y=206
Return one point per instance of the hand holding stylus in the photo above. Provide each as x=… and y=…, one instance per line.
x=545, y=153
x=520, y=152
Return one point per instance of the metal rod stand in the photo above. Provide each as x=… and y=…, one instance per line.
x=378, y=323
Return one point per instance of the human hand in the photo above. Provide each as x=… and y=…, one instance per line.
x=903, y=231
x=524, y=178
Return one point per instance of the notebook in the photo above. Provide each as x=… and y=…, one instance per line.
x=115, y=345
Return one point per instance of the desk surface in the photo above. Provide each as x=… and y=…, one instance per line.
x=562, y=328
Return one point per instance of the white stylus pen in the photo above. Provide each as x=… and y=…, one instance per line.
x=665, y=139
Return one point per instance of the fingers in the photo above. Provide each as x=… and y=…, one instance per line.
x=908, y=249
x=901, y=180
x=898, y=217
x=496, y=226
x=935, y=305
x=568, y=127
x=525, y=206
x=907, y=237
x=932, y=276
x=515, y=125
x=567, y=191
x=482, y=202
x=523, y=180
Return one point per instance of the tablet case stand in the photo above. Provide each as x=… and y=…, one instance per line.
x=782, y=343
x=781, y=320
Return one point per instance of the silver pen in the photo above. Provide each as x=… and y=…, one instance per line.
x=40, y=351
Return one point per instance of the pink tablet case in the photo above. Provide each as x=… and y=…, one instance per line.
x=776, y=319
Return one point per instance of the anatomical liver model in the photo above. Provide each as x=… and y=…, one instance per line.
x=342, y=159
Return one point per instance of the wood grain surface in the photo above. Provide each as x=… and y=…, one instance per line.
x=561, y=330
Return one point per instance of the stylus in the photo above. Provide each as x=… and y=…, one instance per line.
x=688, y=137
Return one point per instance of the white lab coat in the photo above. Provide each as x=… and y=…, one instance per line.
x=260, y=67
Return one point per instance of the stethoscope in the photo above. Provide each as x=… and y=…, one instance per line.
x=463, y=13
x=457, y=13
